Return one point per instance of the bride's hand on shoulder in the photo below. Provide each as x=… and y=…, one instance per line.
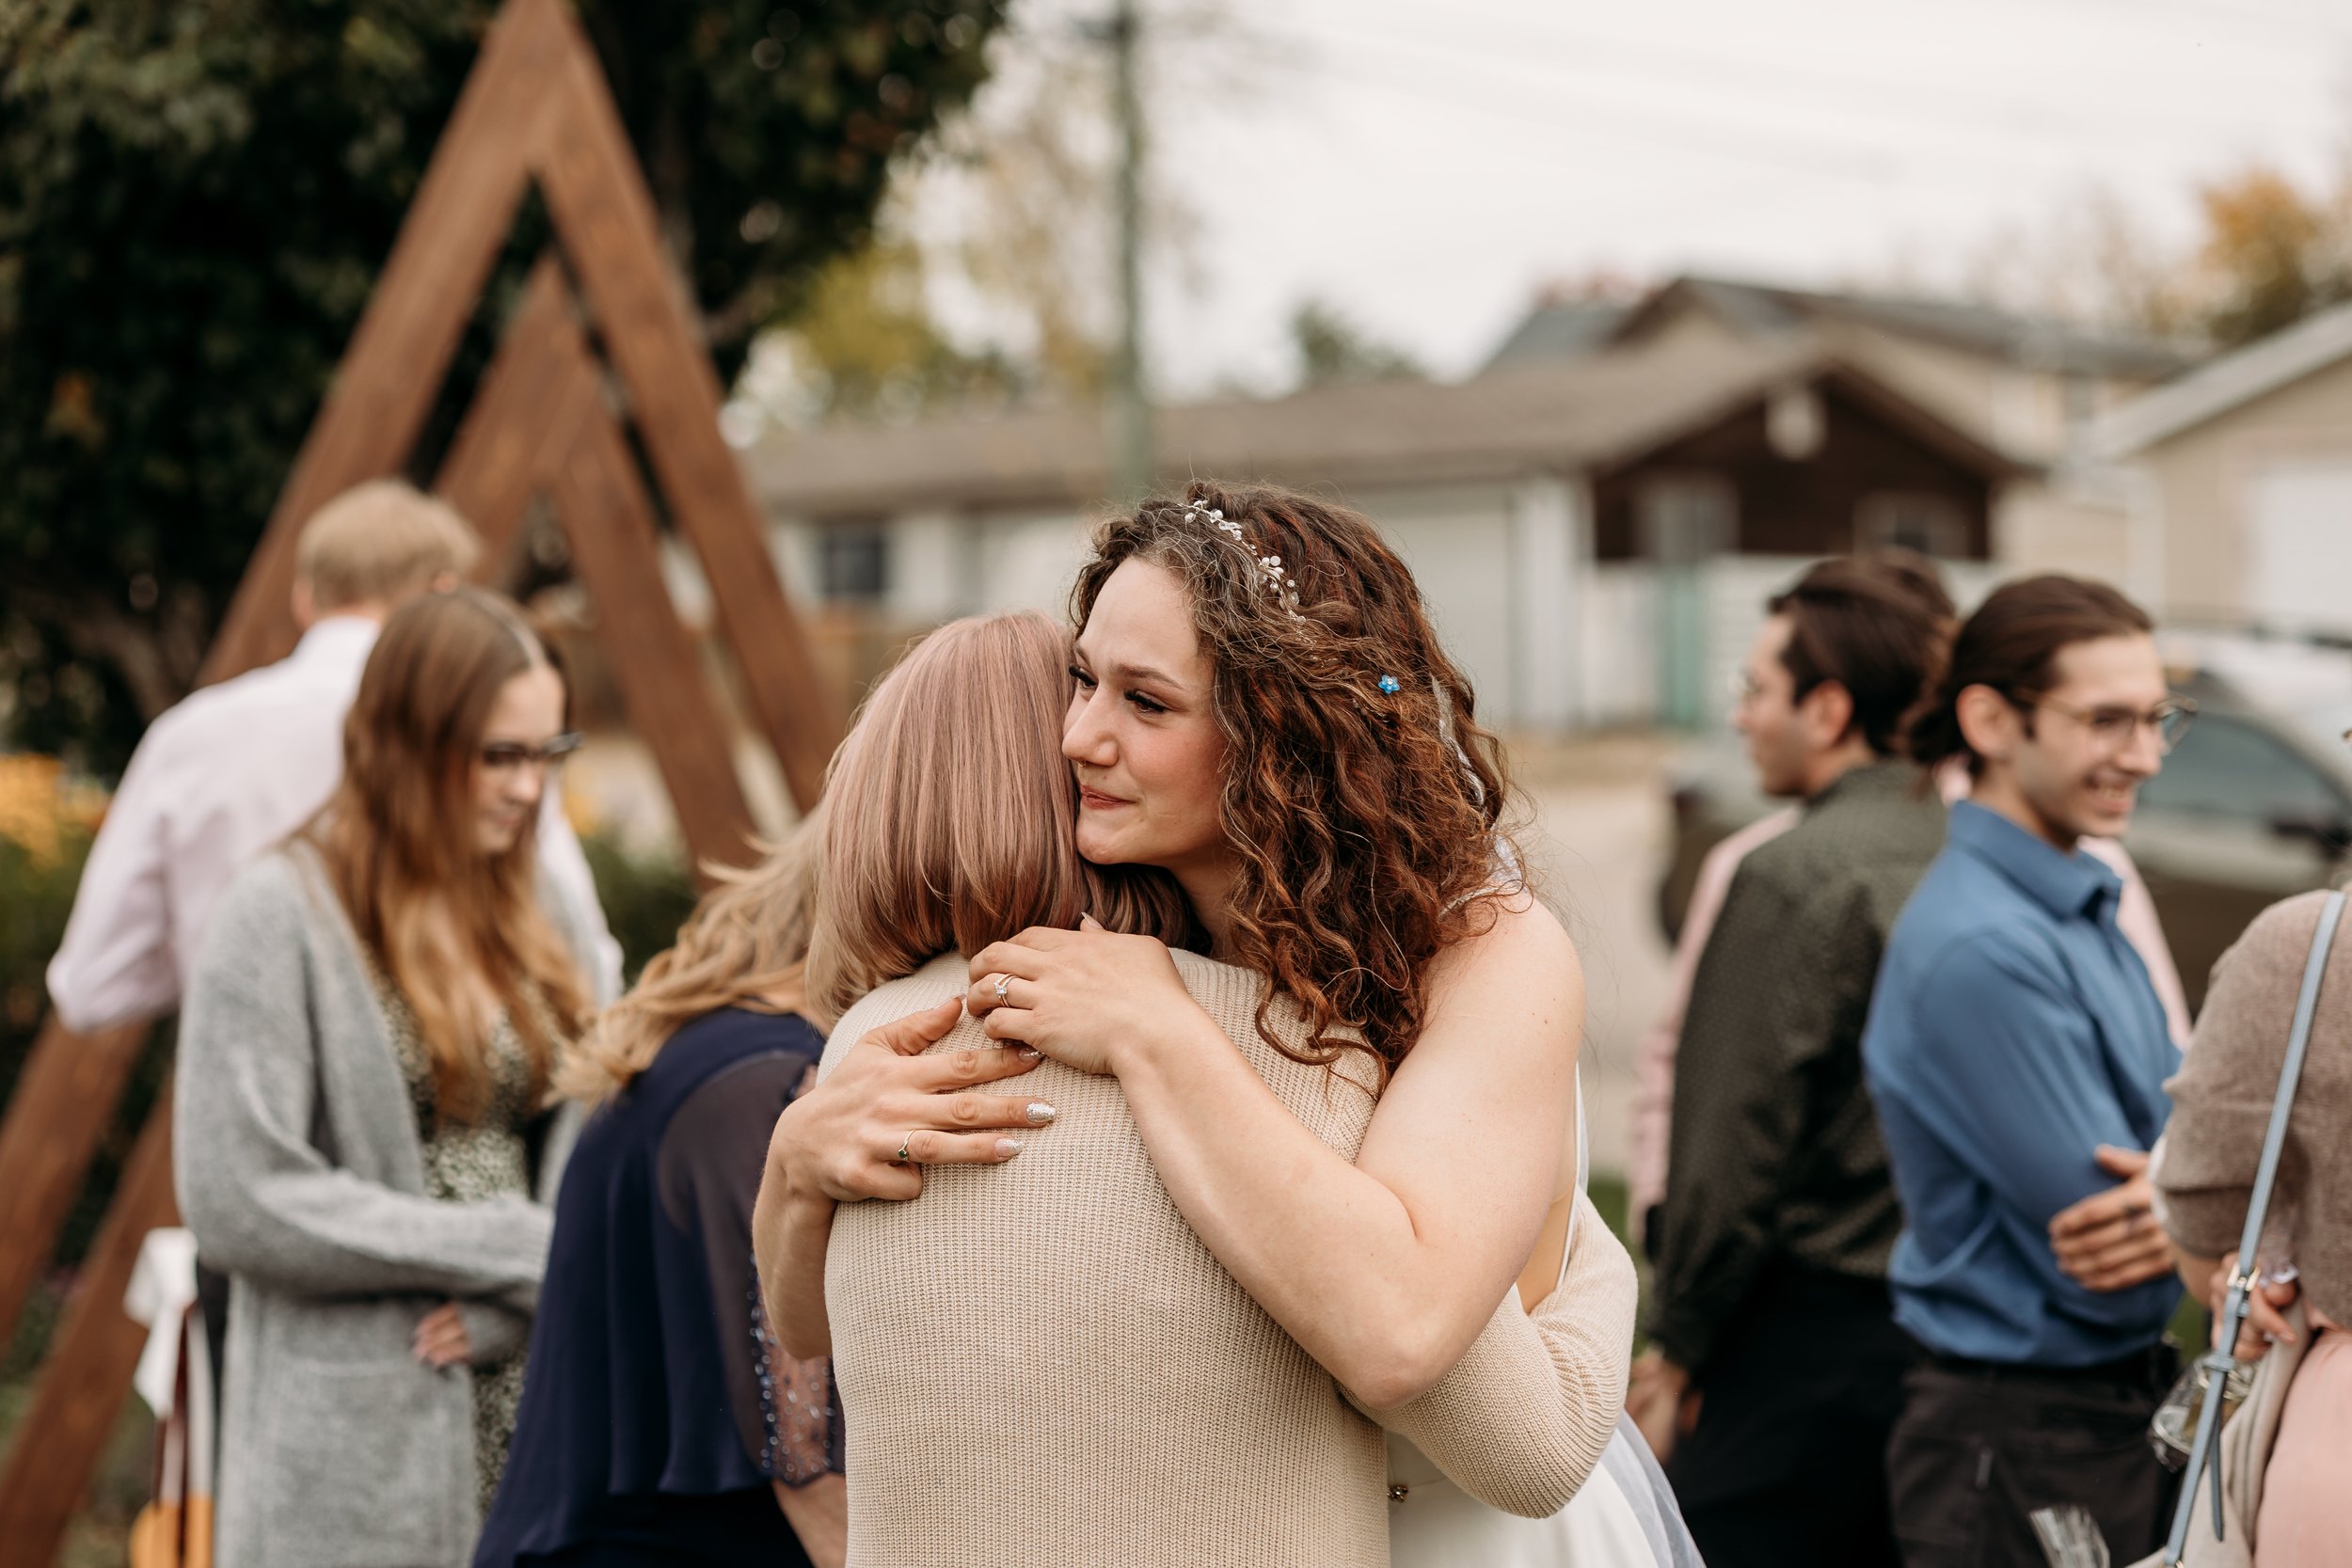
x=841, y=1141
x=1079, y=996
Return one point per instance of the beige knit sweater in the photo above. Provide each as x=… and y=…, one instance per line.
x=1041, y=1363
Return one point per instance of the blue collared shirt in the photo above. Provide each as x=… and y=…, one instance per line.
x=2012, y=1032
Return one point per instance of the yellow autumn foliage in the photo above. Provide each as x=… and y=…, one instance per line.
x=40, y=810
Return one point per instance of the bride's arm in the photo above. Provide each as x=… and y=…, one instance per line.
x=1385, y=1271
x=1520, y=1421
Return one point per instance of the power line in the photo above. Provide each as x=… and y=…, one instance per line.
x=1778, y=153
x=1975, y=148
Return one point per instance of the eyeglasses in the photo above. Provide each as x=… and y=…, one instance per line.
x=505, y=756
x=2111, y=729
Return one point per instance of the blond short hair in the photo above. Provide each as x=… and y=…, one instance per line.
x=380, y=543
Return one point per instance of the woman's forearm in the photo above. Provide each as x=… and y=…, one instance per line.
x=790, y=1234
x=1385, y=1298
x=1522, y=1420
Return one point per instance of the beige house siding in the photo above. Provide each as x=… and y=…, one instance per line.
x=2199, y=476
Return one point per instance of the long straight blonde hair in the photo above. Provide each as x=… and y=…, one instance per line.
x=952, y=815
x=743, y=947
x=398, y=844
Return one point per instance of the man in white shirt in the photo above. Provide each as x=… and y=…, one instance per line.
x=240, y=766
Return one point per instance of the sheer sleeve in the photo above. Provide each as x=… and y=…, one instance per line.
x=1520, y=1421
x=710, y=1161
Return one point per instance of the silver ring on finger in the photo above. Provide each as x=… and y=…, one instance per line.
x=903, y=1157
x=1004, y=984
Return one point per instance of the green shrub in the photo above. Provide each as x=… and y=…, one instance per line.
x=645, y=897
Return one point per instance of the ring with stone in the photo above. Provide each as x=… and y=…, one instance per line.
x=1004, y=984
x=903, y=1158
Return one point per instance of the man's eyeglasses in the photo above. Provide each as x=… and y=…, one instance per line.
x=505, y=756
x=2111, y=729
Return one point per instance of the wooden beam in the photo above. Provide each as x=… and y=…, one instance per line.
x=609, y=518
x=515, y=432
x=57, y=1111
x=401, y=350
x=91, y=1361
x=605, y=215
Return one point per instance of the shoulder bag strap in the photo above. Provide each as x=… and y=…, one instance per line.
x=2217, y=1359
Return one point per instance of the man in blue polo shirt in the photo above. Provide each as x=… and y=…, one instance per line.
x=2016, y=1053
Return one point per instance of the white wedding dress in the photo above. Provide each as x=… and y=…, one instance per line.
x=1624, y=1516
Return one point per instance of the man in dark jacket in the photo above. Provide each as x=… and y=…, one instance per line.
x=1775, y=1369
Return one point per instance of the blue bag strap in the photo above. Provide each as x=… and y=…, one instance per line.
x=2217, y=1361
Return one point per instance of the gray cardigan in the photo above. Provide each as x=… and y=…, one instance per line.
x=301, y=1173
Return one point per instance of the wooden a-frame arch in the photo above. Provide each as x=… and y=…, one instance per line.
x=543, y=426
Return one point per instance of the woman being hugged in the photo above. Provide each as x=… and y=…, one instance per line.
x=1139, y=1381
x=366, y=1045
x=659, y=1424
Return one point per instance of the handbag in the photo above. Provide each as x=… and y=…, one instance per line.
x=2230, y=1462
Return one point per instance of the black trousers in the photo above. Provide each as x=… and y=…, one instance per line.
x=1788, y=1464
x=1979, y=1448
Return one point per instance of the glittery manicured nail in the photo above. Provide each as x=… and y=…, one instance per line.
x=1008, y=1148
x=1039, y=1112
x=1031, y=1053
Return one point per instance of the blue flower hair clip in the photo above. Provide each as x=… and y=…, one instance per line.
x=1389, y=683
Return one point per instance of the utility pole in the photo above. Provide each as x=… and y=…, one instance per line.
x=1131, y=456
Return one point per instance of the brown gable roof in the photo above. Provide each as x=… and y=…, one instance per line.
x=1561, y=419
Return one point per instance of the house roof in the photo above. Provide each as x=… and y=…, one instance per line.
x=1562, y=329
x=1572, y=417
x=2230, y=382
x=1764, y=309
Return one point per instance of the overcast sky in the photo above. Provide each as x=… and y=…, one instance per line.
x=1425, y=165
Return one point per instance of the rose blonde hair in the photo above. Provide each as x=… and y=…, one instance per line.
x=1363, y=803
x=743, y=947
x=397, y=840
x=951, y=816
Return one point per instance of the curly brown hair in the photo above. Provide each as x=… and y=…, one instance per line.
x=1361, y=797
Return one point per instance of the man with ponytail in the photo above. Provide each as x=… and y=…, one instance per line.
x=2017, y=1052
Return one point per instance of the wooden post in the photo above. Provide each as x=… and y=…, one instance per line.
x=605, y=513
x=606, y=216
x=60, y=1110
x=89, y=1366
x=514, y=434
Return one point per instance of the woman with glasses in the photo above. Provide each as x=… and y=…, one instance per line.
x=360, y=1146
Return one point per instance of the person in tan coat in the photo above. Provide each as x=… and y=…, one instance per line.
x=2204, y=1177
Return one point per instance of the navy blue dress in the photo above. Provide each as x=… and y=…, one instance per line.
x=656, y=1408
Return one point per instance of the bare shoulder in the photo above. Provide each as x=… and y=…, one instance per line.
x=1524, y=948
x=1509, y=999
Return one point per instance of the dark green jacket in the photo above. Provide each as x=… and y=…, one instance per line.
x=1775, y=1152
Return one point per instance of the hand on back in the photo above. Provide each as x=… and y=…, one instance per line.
x=1078, y=995
x=841, y=1141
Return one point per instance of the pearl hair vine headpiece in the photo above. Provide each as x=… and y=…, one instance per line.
x=1276, y=580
